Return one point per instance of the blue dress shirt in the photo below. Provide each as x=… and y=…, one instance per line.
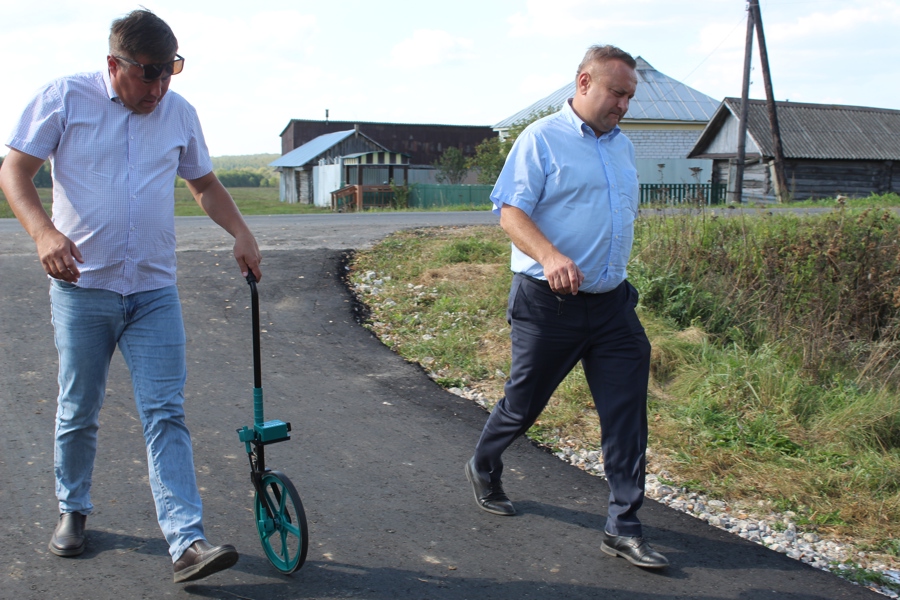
x=114, y=176
x=580, y=190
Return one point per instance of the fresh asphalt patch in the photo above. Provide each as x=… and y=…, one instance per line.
x=377, y=455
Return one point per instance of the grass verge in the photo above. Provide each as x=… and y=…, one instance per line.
x=773, y=352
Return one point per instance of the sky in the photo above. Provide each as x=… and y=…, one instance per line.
x=251, y=67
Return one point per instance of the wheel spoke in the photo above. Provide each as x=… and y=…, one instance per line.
x=287, y=550
x=291, y=528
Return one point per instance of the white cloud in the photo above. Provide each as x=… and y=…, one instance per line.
x=557, y=19
x=822, y=24
x=535, y=86
x=429, y=48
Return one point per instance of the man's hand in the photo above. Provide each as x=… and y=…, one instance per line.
x=59, y=256
x=216, y=202
x=561, y=272
x=247, y=255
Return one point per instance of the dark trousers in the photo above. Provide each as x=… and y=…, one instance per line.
x=550, y=334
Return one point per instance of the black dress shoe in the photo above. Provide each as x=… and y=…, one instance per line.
x=68, y=539
x=489, y=496
x=202, y=559
x=635, y=550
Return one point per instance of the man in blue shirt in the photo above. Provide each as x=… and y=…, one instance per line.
x=116, y=139
x=567, y=197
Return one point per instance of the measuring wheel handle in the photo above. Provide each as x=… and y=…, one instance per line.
x=280, y=519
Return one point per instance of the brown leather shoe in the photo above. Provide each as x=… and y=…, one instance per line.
x=68, y=539
x=202, y=559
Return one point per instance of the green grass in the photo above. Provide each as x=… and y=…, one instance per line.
x=872, y=201
x=251, y=201
x=7, y=213
x=775, y=341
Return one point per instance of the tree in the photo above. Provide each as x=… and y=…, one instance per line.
x=451, y=166
x=489, y=158
x=490, y=155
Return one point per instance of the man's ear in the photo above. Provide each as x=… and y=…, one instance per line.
x=112, y=64
x=583, y=82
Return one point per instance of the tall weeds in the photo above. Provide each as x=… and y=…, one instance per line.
x=825, y=289
x=793, y=393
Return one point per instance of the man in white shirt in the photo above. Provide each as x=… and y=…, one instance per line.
x=116, y=139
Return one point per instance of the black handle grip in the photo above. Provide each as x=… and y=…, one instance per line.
x=254, y=304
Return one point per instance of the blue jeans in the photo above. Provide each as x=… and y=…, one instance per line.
x=149, y=331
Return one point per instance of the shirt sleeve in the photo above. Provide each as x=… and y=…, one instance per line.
x=521, y=181
x=41, y=125
x=194, y=161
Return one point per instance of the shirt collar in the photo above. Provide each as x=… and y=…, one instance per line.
x=580, y=126
x=109, y=88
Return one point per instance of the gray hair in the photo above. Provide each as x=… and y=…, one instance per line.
x=601, y=54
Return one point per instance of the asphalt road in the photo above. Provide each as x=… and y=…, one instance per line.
x=377, y=454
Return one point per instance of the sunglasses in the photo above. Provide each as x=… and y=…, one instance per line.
x=154, y=72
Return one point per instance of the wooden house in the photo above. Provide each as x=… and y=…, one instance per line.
x=829, y=150
x=424, y=144
x=296, y=167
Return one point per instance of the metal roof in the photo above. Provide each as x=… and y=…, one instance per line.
x=658, y=98
x=311, y=149
x=817, y=131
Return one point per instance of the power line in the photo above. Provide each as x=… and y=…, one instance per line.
x=741, y=21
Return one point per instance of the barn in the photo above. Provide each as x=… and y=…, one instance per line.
x=424, y=144
x=829, y=149
x=296, y=166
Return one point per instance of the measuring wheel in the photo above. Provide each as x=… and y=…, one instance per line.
x=281, y=522
x=279, y=514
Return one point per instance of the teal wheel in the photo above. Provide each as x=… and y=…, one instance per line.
x=282, y=527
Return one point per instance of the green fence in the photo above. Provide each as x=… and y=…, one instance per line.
x=683, y=193
x=429, y=195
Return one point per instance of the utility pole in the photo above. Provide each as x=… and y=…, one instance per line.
x=780, y=183
x=737, y=181
x=754, y=20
